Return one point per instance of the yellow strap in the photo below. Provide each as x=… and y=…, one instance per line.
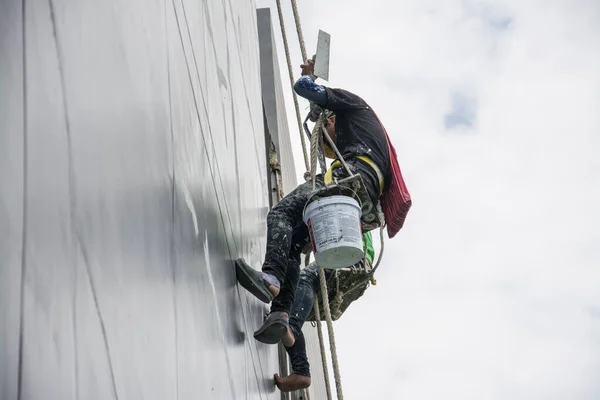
x=328, y=178
x=329, y=153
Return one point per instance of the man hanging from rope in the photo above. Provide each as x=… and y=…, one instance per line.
x=293, y=339
x=362, y=141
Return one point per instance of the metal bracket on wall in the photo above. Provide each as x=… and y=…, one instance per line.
x=276, y=171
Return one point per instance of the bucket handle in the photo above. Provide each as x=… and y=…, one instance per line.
x=355, y=197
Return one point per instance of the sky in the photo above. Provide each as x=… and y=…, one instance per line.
x=492, y=288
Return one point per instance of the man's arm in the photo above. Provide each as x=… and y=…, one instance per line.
x=311, y=91
x=307, y=88
x=331, y=99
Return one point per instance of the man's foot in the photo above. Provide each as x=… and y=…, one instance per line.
x=288, y=338
x=254, y=282
x=274, y=327
x=292, y=382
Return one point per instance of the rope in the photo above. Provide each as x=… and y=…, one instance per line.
x=380, y=250
x=382, y=225
x=299, y=30
x=371, y=274
x=336, y=304
x=314, y=151
x=334, y=359
x=320, y=333
x=322, y=162
x=313, y=168
x=322, y=345
x=318, y=133
x=291, y=74
x=336, y=151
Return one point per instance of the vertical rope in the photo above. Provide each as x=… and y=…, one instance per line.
x=382, y=225
x=322, y=162
x=335, y=150
x=299, y=30
x=320, y=333
x=313, y=167
x=291, y=74
x=322, y=345
x=334, y=359
x=314, y=151
x=381, y=237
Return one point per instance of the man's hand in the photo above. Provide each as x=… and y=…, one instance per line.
x=308, y=68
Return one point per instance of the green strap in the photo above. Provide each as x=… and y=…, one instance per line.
x=368, y=244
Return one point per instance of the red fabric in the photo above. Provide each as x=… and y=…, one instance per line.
x=395, y=199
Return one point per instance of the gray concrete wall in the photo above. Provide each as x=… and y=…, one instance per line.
x=132, y=170
x=272, y=94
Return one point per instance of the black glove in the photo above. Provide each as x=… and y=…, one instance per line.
x=315, y=112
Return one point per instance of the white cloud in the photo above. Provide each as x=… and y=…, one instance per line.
x=492, y=290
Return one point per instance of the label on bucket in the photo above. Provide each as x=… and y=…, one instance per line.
x=332, y=228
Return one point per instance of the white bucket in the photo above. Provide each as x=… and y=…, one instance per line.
x=335, y=231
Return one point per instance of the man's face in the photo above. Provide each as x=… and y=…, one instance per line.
x=331, y=127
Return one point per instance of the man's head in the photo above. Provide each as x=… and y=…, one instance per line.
x=330, y=125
